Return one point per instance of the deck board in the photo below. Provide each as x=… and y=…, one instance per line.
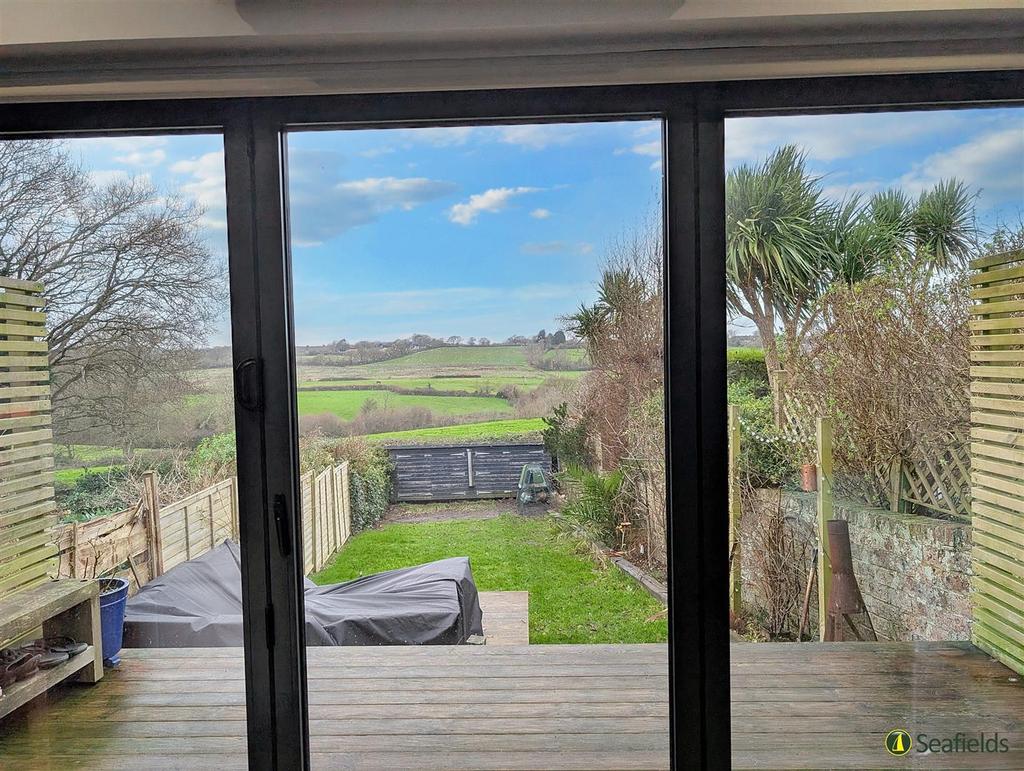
x=506, y=617
x=530, y=706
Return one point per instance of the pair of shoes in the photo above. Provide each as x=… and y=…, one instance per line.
x=54, y=651
x=16, y=665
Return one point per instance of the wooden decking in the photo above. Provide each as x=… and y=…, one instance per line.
x=537, y=706
x=506, y=617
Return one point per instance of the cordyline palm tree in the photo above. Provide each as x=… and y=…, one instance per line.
x=786, y=244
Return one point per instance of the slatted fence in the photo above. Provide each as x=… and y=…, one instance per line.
x=198, y=523
x=27, y=506
x=326, y=515
x=997, y=456
x=138, y=546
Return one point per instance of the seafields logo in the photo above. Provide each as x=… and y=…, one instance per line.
x=899, y=742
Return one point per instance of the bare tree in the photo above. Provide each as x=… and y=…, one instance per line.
x=130, y=283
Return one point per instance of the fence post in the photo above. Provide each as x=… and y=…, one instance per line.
x=156, y=541
x=735, y=511
x=209, y=508
x=314, y=530
x=777, y=410
x=825, y=513
x=346, y=501
x=235, y=525
x=896, y=485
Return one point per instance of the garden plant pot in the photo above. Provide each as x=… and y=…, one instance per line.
x=809, y=478
x=113, y=597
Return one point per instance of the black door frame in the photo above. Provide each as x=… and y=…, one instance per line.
x=262, y=332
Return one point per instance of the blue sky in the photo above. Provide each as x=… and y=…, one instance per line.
x=494, y=231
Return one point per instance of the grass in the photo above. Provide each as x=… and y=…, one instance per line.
x=69, y=476
x=572, y=599
x=487, y=430
x=84, y=454
x=346, y=404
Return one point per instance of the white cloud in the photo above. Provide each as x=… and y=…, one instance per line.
x=829, y=137
x=491, y=201
x=104, y=177
x=652, y=148
x=144, y=158
x=538, y=136
x=540, y=214
x=322, y=207
x=992, y=163
x=556, y=247
x=205, y=185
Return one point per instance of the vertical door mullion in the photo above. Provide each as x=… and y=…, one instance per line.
x=696, y=438
x=265, y=421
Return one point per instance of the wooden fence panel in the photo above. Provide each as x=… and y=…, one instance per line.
x=137, y=545
x=198, y=523
x=27, y=508
x=997, y=457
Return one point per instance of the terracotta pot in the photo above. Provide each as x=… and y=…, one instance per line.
x=809, y=478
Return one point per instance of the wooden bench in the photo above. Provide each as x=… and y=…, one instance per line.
x=64, y=607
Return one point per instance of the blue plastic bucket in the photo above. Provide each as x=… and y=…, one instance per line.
x=113, y=596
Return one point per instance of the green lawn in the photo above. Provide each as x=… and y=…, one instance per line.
x=346, y=404
x=572, y=599
x=467, y=432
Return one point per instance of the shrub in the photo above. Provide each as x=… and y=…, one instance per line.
x=565, y=439
x=767, y=457
x=325, y=423
x=92, y=495
x=214, y=457
x=746, y=364
x=369, y=475
x=592, y=511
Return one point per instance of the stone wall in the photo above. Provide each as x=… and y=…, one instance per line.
x=913, y=571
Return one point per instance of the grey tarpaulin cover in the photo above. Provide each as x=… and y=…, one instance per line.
x=199, y=604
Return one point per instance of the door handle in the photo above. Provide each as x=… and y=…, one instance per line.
x=283, y=525
x=249, y=384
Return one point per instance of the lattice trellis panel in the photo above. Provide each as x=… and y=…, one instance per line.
x=939, y=479
x=935, y=478
x=997, y=456
x=27, y=507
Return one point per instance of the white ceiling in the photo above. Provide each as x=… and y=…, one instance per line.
x=137, y=48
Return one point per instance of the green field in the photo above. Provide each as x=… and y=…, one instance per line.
x=466, y=432
x=511, y=356
x=572, y=599
x=346, y=404
x=487, y=383
x=576, y=355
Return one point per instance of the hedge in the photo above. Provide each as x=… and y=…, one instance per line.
x=746, y=364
